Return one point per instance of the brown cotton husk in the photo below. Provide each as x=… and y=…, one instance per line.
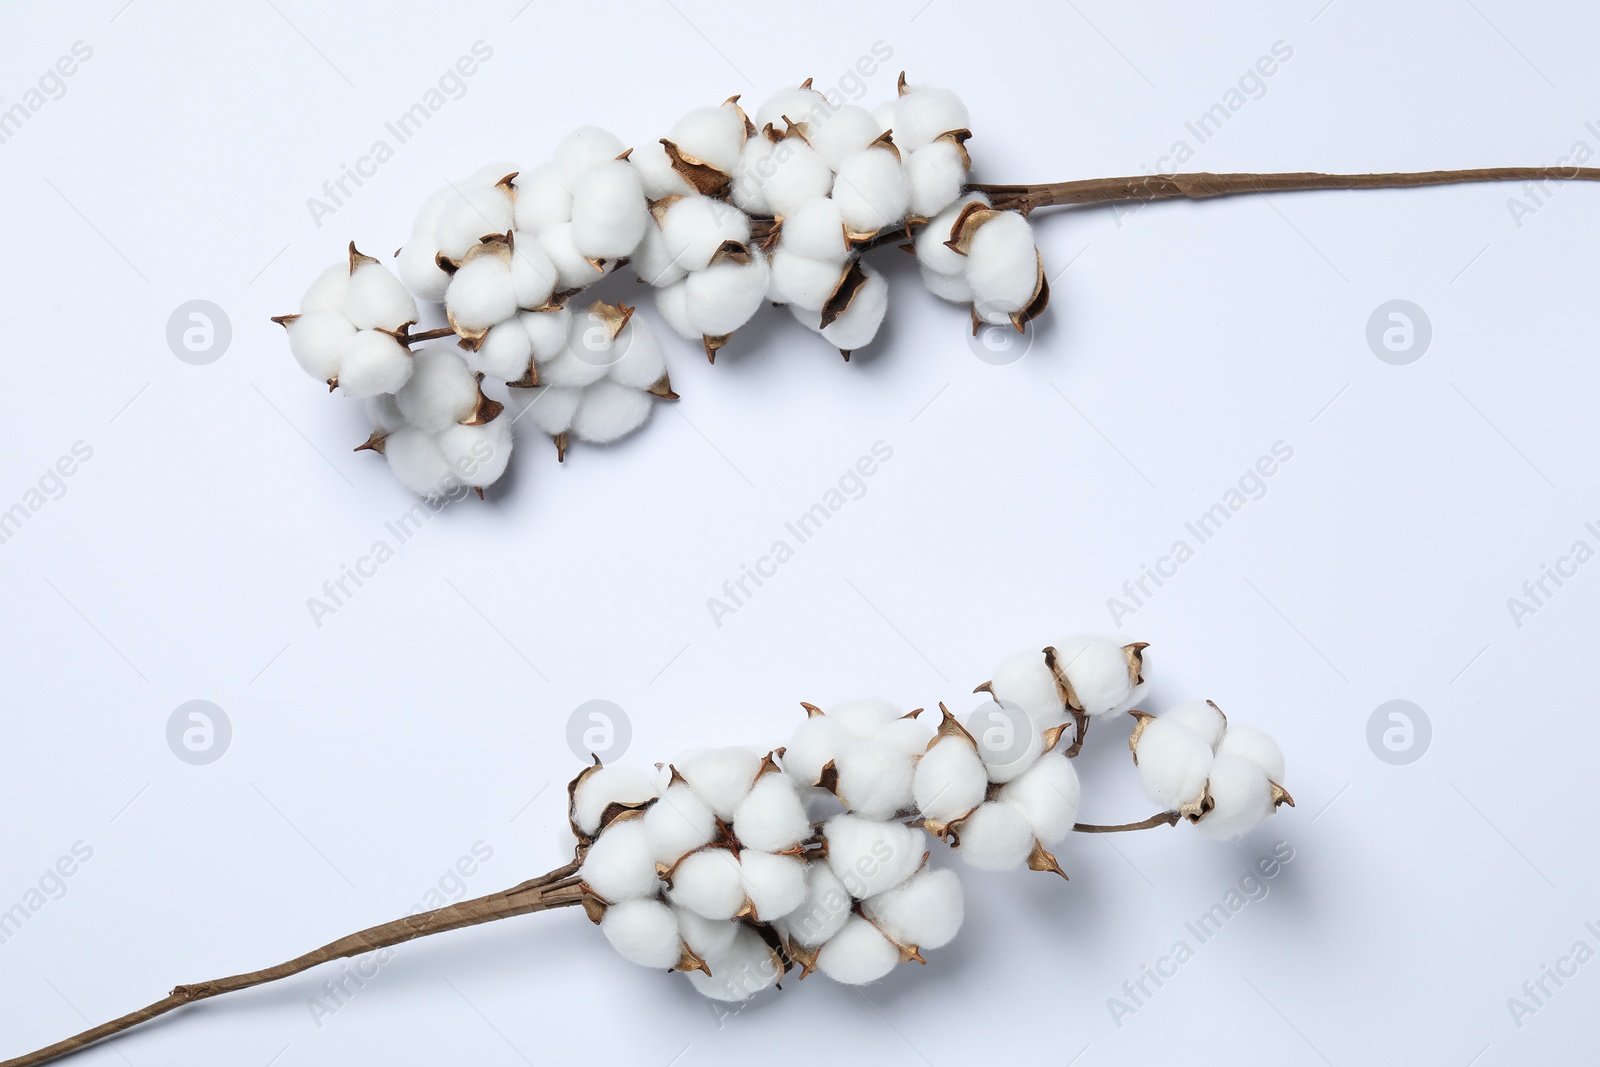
x=950, y=726
x=1141, y=720
x=561, y=440
x=373, y=443
x=850, y=283
x=358, y=259
x=706, y=179
x=1040, y=859
x=662, y=387
x=713, y=345
x=485, y=411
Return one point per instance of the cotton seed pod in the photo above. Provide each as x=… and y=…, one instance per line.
x=923, y=113
x=478, y=453
x=478, y=212
x=1173, y=762
x=441, y=390
x=774, y=885
x=608, y=412
x=713, y=136
x=709, y=883
x=995, y=837
x=1256, y=746
x=728, y=292
x=657, y=175
x=679, y=823
x=621, y=865
x=481, y=294
x=852, y=315
x=533, y=274
x=925, y=913
x=609, y=211
x=1047, y=795
x=816, y=231
x=871, y=191
x=858, y=954
x=748, y=190
x=950, y=781
x=640, y=364
x=1098, y=676
x=803, y=282
x=771, y=817
x=374, y=298
x=869, y=856
x=1241, y=797
x=874, y=779
x=582, y=149
x=317, y=340
x=936, y=174
x=374, y=362
x=503, y=354
x=706, y=938
x=644, y=932
x=574, y=270
x=749, y=966
x=825, y=909
x=653, y=262
x=415, y=459
x=542, y=200
x=944, y=269
x=840, y=134
x=595, y=793
x=550, y=408
x=722, y=776
x=695, y=228
x=547, y=331
x=1203, y=717
x=797, y=175
x=1026, y=680
x=1004, y=267
x=812, y=746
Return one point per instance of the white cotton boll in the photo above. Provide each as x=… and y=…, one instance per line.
x=776, y=885
x=383, y=413
x=874, y=779
x=771, y=817
x=995, y=837
x=420, y=272
x=644, y=932
x=1173, y=763
x=652, y=261
x=696, y=226
x=1002, y=263
x=317, y=340
x=706, y=938
x=750, y=176
x=641, y=363
x=572, y=371
x=910, y=736
x=796, y=174
x=814, y=743
x=935, y=174
x=953, y=287
x=1097, y=667
x=801, y=281
x=547, y=330
x=713, y=135
x=478, y=454
x=825, y=909
x=932, y=253
x=871, y=191
x=504, y=353
x=1025, y=679
x=621, y=865
x=432, y=209
x=866, y=716
x=492, y=173
x=573, y=268
x=745, y=969
x=582, y=149
x=609, y=211
x=374, y=363
x=542, y=201
x=924, y=114
x=722, y=776
x=727, y=294
x=857, y=954
x=375, y=298
x=679, y=823
x=870, y=856
x=415, y=459
x=1242, y=796
x=329, y=290
x=609, y=412
x=533, y=275
x=798, y=105
x=1201, y=717
x=657, y=176
x=709, y=883
x=441, y=391
x=843, y=133
x=926, y=912
x=673, y=303
x=550, y=408
x=481, y=294
x=1252, y=744
x=859, y=323
x=608, y=786
x=816, y=231
x=885, y=113
x=950, y=780
x=1047, y=795
x=473, y=215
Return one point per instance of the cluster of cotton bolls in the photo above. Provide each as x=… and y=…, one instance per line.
x=722, y=215
x=715, y=867
x=1225, y=778
x=439, y=431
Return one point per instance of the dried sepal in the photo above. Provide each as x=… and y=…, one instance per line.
x=828, y=778
x=1041, y=859
x=529, y=379
x=1053, y=735
x=959, y=138
x=1196, y=809
x=713, y=345
x=486, y=409
x=966, y=224
x=584, y=840
x=1134, y=654
x=662, y=387
x=561, y=440
x=885, y=140
x=613, y=316
x=373, y=443
x=800, y=954
x=688, y=961
x=706, y=179
x=900, y=85
x=812, y=711
x=850, y=284
x=1280, y=795
x=358, y=259
x=731, y=252
x=285, y=320
x=1069, y=696
x=769, y=765
x=594, y=906
x=1142, y=719
x=1036, y=303
x=950, y=726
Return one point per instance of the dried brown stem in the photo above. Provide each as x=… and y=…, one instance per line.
x=558, y=889
x=425, y=335
x=1203, y=186
x=1164, y=818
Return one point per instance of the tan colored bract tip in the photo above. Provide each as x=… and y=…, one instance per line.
x=731, y=252
x=662, y=388
x=900, y=85
x=706, y=179
x=950, y=726
x=844, y=294
x=688, y=961
x=358, y=259
x=812, y=711
x=713, y=345
x=1041, y=859
x=373, y=443
x=1064, y=690
x=1134, y=654
x=1280, y=796
x=1219, y=711
x=561, y=440
x=1143, y=720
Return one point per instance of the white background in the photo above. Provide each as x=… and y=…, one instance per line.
x=429, y=713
